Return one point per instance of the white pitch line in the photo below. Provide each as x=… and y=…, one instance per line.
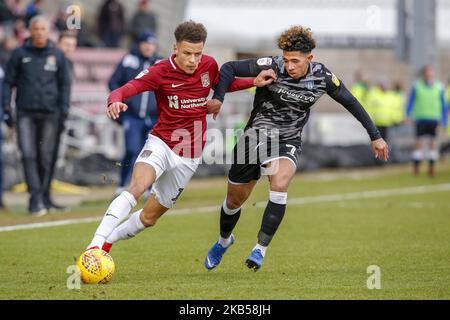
x=260, y=204
x=366, y=194
x=49, y=224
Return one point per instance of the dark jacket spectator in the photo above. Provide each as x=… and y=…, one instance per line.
x=143, y=20
x=39, y=72
x=67, y=43
x=41, y=78
x=111, y=23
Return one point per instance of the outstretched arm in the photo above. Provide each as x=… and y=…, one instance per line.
x=337, y=90
x=240, y=84
x=264, y=78
x=248, y=68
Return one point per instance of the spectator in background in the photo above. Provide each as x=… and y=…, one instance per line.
x=143, y=20
x=20, y=31
x=6, y=14
x=447, y=93
x=142, y=113
x=82, y=33
x=61, y=19
x=379, y=104
x=17, y=7
x=427, y=108
x=2, y=46
x=2, y=205
x=111, y=23
x=33, y=9
x=39, y=72
x=67, y=43
x=397, y=104
x=8, y=21
x=447, y=100
x=360, y=88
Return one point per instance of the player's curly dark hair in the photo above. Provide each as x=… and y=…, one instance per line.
x=190, y=31
x=297, y=38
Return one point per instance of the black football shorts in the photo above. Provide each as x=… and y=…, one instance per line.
x=254, y=151
x=426, y=129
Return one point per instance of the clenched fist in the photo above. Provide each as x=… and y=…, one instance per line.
x=114, y=109
x=264, y=78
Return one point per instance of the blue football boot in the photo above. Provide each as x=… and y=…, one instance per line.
x=215, y=254
x=255, y=260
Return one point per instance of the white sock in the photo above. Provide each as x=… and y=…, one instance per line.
x=128, y=229
x=97, y=241
x=418, y=155
x=225, y=242
x=278, y=197
x=228, y=211
x=261, y=248
x=433, y=155
x=118, y=210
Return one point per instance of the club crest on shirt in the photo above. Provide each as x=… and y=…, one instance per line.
x=50, y=64
x=146, y=153
x=205, y=79
x=310, y=84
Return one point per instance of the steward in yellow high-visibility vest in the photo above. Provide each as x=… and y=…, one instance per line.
x=379, y=103
x=397, y=105
x=359, y=90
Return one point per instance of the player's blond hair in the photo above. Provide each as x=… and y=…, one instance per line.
x=297, y=38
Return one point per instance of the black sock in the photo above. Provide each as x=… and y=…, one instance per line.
x=228, y=222
x=273, y=215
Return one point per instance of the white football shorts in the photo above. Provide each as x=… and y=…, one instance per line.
x=172, y=171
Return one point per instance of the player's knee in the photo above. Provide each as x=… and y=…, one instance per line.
x=235, y=201
x=137, y=189
x=148, y=219
x=280, y=185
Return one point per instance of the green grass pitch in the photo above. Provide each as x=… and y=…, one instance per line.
x=321, y=251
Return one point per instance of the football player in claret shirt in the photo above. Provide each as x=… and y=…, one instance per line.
x=172, y=151
x=280, y=111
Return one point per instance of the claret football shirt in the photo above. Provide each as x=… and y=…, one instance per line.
x=181, y=101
